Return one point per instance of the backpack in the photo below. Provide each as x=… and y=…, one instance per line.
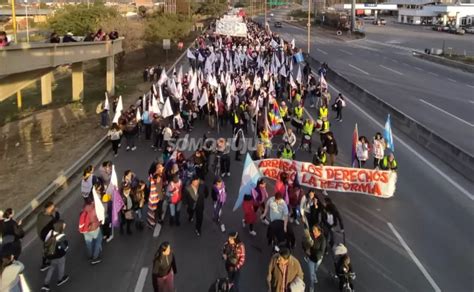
x=84, y=222
x=49, y=248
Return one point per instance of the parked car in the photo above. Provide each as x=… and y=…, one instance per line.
x=469, y=29
x=379, y=21
x=278, y=24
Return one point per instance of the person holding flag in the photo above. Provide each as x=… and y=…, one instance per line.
x=355, y=140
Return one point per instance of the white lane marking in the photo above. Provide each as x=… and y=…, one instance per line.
x=358, y=69
x=394, y=71
x=472, y=86
x=157, y=230
x=346, y=52
x=434, y=74
x=367, y=48
x=449, y=114
x=418, y=68
x=141, y=280
x=319, y=50
x=414, y=258
x=452, y=80
x=420, y=157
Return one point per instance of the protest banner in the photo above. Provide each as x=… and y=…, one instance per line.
x=373, y=182
x=231, y=28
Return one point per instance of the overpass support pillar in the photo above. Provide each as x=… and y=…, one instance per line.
x=77, y=81
x=110, y=75
x=46, y=91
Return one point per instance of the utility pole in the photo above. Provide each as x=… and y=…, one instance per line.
x=309, y=26
x=265, y=24
x=353, y=15
x=14, y=21
x=27, y=23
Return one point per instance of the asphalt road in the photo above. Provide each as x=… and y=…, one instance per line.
x=439, y=97
x=429, y=214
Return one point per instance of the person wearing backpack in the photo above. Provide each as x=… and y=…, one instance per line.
x=89, y=226
x=331, y=218
x=44, y=224
x=55, y=249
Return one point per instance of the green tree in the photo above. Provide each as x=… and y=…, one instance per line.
x=167, y=26
x=212, y=9
x=79, y=19
x=131, y=30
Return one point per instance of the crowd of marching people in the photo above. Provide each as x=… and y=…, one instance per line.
x=243, y=83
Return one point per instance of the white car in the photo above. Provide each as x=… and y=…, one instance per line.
x=469, y=29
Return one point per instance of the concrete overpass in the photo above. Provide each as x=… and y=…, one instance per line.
x=23, y=64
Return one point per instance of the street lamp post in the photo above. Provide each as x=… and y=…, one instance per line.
x=14, y=21
x=27, y=23
x=309, y=25
x=265, y=24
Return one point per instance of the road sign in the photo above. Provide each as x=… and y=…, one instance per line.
x=166, y=44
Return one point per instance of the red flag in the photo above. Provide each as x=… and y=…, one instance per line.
x=355, y=139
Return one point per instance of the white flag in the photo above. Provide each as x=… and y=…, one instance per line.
x=99, y=207
x=163, y=77
x=139, y=115
x=167, y=110
x=200, y=58
x=195, y=94
x=113, y=182
x=153, y=87
x=322, y=82
x=106, y=102
x=118, y=110
x=179, y=77
x=144, y=102
x=190, y=55
x=160, y=95
x=204, y=99
x=299, y=75
x=154, y=106
x=293, y=44
x=283, y=71
x=292, y=82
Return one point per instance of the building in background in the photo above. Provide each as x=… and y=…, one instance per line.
x=429, y=12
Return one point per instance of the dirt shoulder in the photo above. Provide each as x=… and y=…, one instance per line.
x=38, y=148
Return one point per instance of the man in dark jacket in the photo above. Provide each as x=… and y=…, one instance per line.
x=195, y=194
x=44, y=224
x=314, y=246
x=55, y=249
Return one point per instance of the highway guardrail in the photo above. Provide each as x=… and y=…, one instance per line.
x=454, y=156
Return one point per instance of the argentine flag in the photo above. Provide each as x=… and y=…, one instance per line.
x=387, y=134
x=250, y=176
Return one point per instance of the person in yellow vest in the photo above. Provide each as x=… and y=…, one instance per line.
x=389, y=162
x=308, y=127
x=325, y=128
x=235, y=118
x=287, y=152
x=320, y=157
x=284, y=111
x=298, y=118
x=265, y=139
x=323, y=111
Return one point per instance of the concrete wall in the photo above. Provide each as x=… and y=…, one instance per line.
x=28, y=57
x=450, y=154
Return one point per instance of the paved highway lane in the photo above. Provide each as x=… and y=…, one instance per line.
x=412, y=85
x=431, y=215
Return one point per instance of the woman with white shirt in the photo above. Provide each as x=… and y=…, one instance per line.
x=379, y=149
x=362, y=151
